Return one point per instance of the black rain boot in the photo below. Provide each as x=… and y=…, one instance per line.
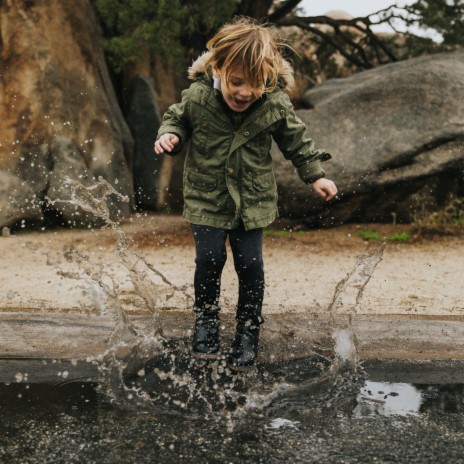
x=245, y=346
x=205, y=342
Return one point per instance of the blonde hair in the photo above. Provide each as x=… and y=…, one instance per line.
x=256, y=48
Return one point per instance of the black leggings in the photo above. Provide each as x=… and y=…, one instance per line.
x=211, y=256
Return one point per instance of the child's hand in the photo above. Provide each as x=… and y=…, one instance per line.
x=166, y=143
x=325, y=188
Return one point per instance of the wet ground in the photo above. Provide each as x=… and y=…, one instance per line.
x=201, y=413
x=91, y=296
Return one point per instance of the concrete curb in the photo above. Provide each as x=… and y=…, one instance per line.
x=284, y=335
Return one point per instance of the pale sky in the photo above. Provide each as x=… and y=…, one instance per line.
x=353, y=7
x=361, y=8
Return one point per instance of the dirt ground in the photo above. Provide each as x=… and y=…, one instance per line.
x=417, y=281
x=420, y=276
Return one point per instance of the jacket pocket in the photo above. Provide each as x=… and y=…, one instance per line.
x=203, y=182
x=263, y=182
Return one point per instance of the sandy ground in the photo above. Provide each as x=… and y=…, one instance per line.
x=423, y=276
x=420, y=279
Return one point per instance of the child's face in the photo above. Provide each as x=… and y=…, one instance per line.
x=237, y=91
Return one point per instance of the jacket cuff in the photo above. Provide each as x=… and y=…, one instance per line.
x=310, y=172
x=317, y=176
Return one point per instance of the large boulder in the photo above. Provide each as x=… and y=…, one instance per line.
x=397, y=138
x=60, y=115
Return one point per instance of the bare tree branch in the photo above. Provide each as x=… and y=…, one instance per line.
x=353, y=38
x=294, y=21
x=285, y=8
x=342, y=40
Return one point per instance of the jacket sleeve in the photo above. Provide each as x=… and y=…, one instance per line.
x=176, y=120
x=296, y=147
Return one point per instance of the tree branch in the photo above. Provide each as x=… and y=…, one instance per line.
x=294, y=21
x=362, y=24
x=284, y=9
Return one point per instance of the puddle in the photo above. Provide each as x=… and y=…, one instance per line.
x=47, y=400
x=430, y=386
x=170, y=377
x=385, y=398
x=278, y=413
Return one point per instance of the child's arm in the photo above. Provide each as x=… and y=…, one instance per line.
x=300, y=150
x=175, y=128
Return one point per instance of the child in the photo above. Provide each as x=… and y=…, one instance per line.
x=231, y=113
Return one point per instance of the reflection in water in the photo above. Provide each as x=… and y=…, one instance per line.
x=387, y=399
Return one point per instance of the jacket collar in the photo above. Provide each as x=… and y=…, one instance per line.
x=200, y=68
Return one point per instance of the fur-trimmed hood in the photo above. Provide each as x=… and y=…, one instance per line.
x=199, y=68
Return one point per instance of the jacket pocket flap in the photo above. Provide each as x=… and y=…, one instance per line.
x=263, y=181
x=202, y=181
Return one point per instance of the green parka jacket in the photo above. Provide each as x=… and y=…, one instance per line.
x=228, y=175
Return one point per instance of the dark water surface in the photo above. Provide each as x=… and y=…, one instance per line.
x=201, y=413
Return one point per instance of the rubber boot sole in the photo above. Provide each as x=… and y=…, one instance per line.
x=205, y=355
x=240, y=368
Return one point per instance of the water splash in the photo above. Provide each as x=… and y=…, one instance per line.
x=126, y=343
x=345, y=347
x=170, y=377
x=197, y=387
x=347, y=296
